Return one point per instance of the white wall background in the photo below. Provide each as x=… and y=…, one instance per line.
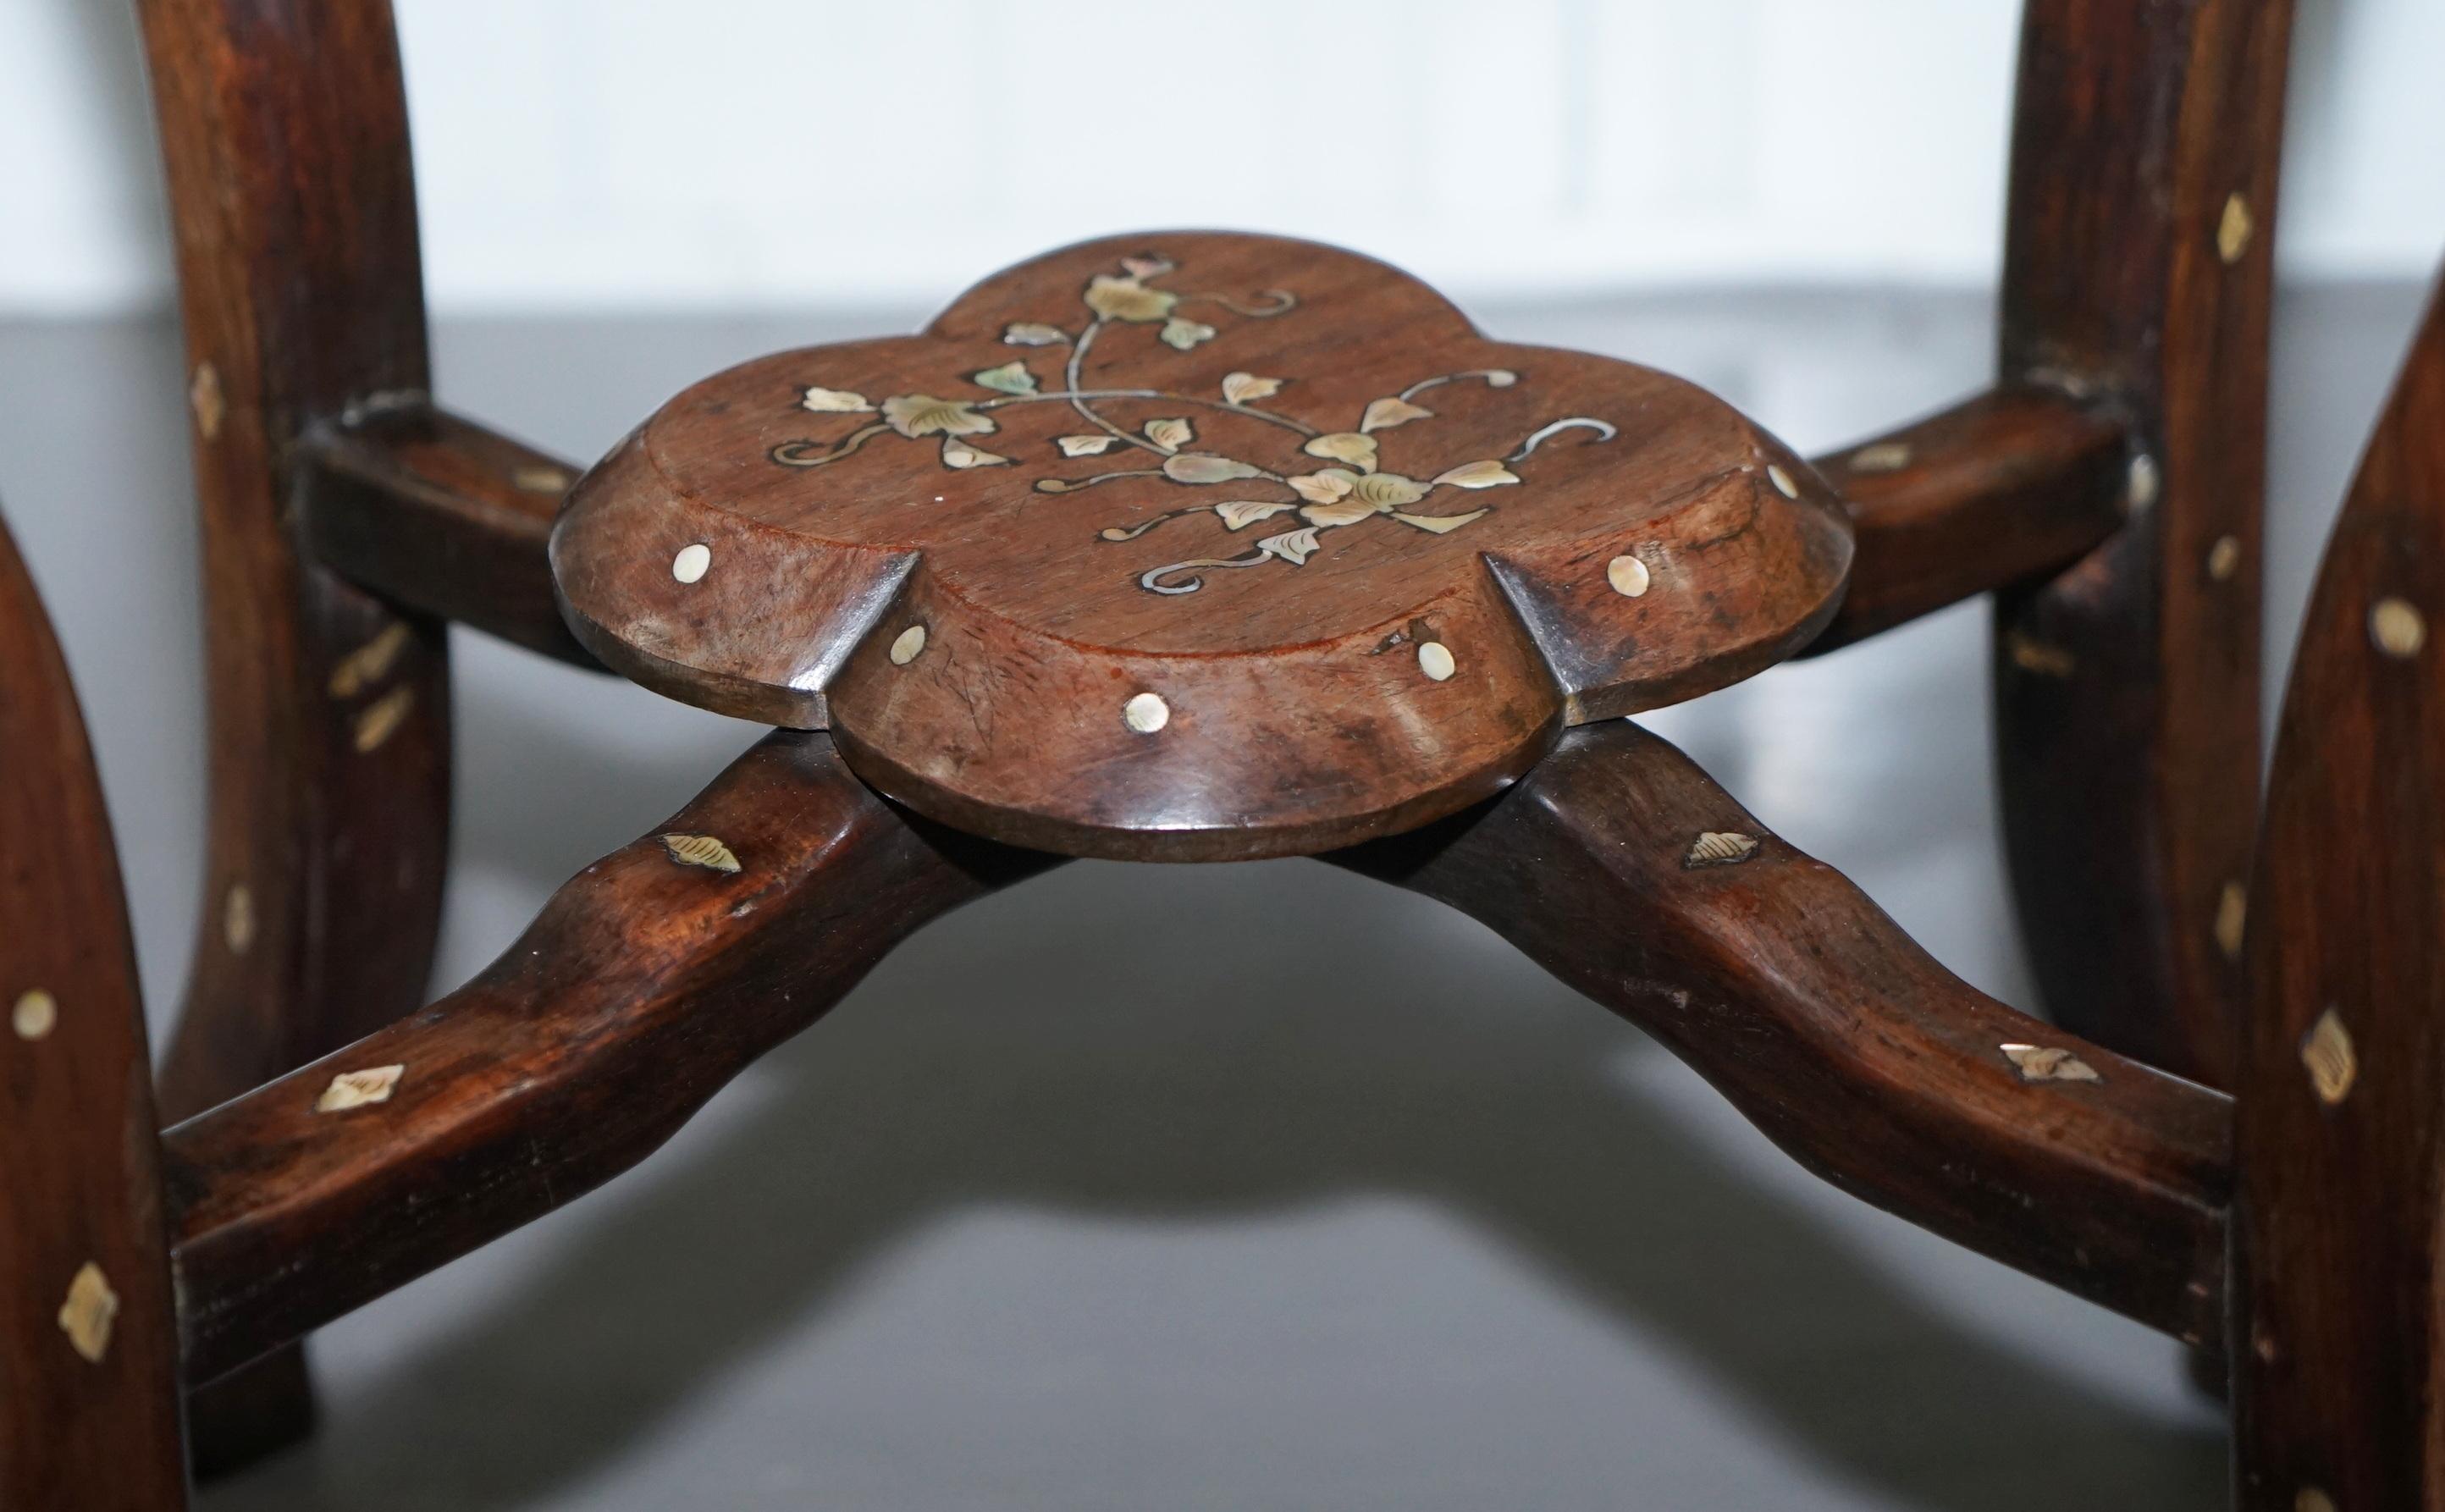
x=585, y=154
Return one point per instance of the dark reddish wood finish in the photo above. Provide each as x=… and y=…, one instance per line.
x=1493, y=490
x=440, y=514
x=89, y=1421
x=1784, y=985
x=285, y=139
x=568, y=1062
x=647, y=982
x=342, y=511
x=442, y=517
x=1982, y=496
x=2338, y=1247
x=2138, y=273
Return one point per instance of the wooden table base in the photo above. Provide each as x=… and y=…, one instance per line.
x=1419, y=576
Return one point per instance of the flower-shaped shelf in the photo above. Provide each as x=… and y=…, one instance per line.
x=1195, y=546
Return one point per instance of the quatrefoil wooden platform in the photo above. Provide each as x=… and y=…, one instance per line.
x=1194, y=545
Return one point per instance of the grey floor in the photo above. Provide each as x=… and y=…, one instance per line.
x=1233, y=1188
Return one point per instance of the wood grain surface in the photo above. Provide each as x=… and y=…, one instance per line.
x=1325, y=563
x=1191, y=547
x=651, y=979
x=440, y=515
x=2137, y=272
x=88, y=1343
x=2338, y=1253
x=1982, y=495
x=1622, y=869
x=284, y=136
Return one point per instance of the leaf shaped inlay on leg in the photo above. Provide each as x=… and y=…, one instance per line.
x=701, y=851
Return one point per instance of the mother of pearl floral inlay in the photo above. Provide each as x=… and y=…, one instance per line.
x=1350, y=486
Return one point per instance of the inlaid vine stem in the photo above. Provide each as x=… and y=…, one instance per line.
x=1283, y=303
x=1494, y=377
x=1078, y=395
x=1164, y=394
x=799, y=454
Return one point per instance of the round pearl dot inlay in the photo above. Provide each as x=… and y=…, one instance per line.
x=909, y=642
x=1627, y=575
x=1146, y=714
x=1435, y=660
x=692, y=562
x=35, y=1014
x=2397, y=628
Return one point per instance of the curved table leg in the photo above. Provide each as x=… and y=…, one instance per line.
x=1620, y=867
x=283, y=143
x=2139, y=272
x=650, y=980
x=88, y=1355
x=2338, y=1251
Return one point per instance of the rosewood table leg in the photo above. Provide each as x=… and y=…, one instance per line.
x=1620, y=867
x=2338, y=1252
x=2136, y=275
x=284, y=136
x=88, y=1354
x=651, y=979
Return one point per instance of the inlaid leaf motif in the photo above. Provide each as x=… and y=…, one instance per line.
x=957, y=453
x=1349, y=512
x=1010, y=377
x=701, y=851
x=370, y=663
x=1324, y=487
x=379, y=720
x=1345, y=446
x=1182, y=334
x=358, y=1089
x=1196, y=467
x=1240, y=511
x=1238, y=389
x=2050, y=1063
x=1477, y=475
x=1386, y=413
x=1719, y=848
x=1291, y=545
x=1339, y=497
x=1350, y=491
x=915, y=415
x=1126, y=299
x=1388, y=490
x=2327, y=1052
x=89, y=1313
x=1439, y=524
